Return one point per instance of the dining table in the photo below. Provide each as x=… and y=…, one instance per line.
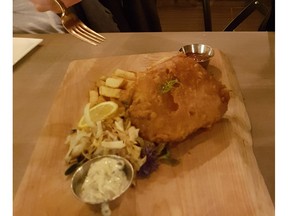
x=38, y=76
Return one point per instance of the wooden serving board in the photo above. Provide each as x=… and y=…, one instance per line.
x=217, y=174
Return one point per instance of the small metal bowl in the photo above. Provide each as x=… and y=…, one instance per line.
x=201, y=53
x=81, y=173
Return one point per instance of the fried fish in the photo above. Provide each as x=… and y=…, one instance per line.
x=176, y=98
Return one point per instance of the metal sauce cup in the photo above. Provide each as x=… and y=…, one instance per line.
x=201, y=53
x=80, y=174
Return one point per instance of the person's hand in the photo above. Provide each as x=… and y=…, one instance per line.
x=46, y=5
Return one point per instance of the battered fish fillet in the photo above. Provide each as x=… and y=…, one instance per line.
x=195, y=100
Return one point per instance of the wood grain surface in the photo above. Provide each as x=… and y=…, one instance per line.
x=217, y=173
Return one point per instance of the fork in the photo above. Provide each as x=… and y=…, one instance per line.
x=77, y=28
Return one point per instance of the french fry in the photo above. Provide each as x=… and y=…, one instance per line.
x=100, y=83
x=129, y=84
x=103, y=78
x=109, y=92
x=114, y=82
x=93, y=97
x=125, y=74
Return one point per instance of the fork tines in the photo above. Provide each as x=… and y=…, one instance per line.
x=85, y=33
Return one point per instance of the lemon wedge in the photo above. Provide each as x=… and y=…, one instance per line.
x=97, y=113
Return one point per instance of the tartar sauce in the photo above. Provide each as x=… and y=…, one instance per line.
x=105, y=180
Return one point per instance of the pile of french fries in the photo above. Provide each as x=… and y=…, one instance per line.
x=119, y=86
